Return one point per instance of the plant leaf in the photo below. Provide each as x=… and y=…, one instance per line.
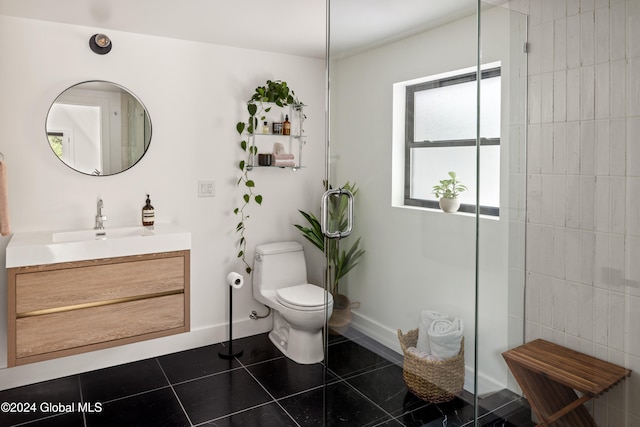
x=313, y=234
x=246, y=198
x=258, y=199
x=250, y=183
x=252, y=108
x=240, y=127
x=241, y=165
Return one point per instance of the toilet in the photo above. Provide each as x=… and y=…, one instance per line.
x=300, y=309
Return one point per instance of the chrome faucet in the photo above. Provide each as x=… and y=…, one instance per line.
x=100, y=218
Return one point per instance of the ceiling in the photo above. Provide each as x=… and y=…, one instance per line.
x=295, y=27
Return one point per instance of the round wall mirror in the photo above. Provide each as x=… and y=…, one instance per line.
x=98, y=128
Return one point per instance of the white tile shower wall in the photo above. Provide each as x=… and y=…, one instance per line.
x=583, y=177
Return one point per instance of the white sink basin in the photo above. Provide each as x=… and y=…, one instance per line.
x=115, y=233
x=50, y=247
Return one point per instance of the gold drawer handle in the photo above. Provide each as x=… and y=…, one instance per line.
x=96, y=304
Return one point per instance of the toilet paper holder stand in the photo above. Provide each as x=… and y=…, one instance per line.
x=234, y=280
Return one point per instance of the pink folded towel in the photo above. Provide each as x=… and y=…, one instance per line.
x=284, y=163
x=284, y=156
x=5, y=228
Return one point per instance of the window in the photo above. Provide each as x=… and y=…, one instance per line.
x=55, y=140
x=440, y=136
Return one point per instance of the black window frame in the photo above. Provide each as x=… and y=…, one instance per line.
x=411, y=144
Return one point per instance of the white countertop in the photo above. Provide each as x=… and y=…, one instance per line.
x=50, y=247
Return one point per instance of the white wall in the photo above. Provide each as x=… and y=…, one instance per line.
x=195, y=94
x=583, y=231
x=415, y=258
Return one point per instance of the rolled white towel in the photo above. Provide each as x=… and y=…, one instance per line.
x=421, y=354
x=426, y=318
x=445, y=337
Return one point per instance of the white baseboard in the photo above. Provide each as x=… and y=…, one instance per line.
x=486, y=385
x=376, y=331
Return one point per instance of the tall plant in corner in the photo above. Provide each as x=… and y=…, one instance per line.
x=276, y=92
x=341, y=261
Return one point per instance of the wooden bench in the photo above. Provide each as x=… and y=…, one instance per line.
x=550, y=375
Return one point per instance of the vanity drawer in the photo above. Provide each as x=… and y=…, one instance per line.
x=78, y=285
x=80, y=328
x=62, y=309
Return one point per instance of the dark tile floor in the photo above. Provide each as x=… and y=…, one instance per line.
x=362, y=386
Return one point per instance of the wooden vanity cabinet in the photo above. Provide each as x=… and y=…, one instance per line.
x=68, y=308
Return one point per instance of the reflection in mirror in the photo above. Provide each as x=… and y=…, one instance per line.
x=98, y=128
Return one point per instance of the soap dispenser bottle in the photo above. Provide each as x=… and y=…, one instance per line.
x=148, y=213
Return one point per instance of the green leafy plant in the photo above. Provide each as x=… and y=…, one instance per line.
x=278, y=93
x=449, y=188
x=340, y=261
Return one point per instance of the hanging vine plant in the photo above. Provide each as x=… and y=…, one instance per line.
x=273, y=92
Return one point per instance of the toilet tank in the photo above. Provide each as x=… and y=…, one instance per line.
x=278, y=265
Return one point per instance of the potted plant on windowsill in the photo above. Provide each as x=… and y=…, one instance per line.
x=340, y=261
x=447, y=192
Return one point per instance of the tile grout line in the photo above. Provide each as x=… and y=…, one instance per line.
x=362, y=372
x=343, y=379
x=174, y=392
x=140, y=393
x=36, y=420
x=205, y=376
x=267, y=391
x=494, y=410
x=372, y=402
x=231, y=414
x=84, y=417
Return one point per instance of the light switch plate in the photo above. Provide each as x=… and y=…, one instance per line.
x=206, y=188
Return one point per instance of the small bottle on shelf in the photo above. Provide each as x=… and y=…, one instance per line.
x=286, y=126
x=148, y=213
x=265, y=128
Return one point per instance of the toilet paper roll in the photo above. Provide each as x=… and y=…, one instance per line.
x=235, y=280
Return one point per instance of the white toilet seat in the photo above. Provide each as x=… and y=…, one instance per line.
x=305, y=297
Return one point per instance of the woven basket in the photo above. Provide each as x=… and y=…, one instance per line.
x=435, y=381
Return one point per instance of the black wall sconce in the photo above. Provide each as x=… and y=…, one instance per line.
x=100, y=44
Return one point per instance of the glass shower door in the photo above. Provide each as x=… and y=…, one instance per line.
x=411, y=267
x=431, y=299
